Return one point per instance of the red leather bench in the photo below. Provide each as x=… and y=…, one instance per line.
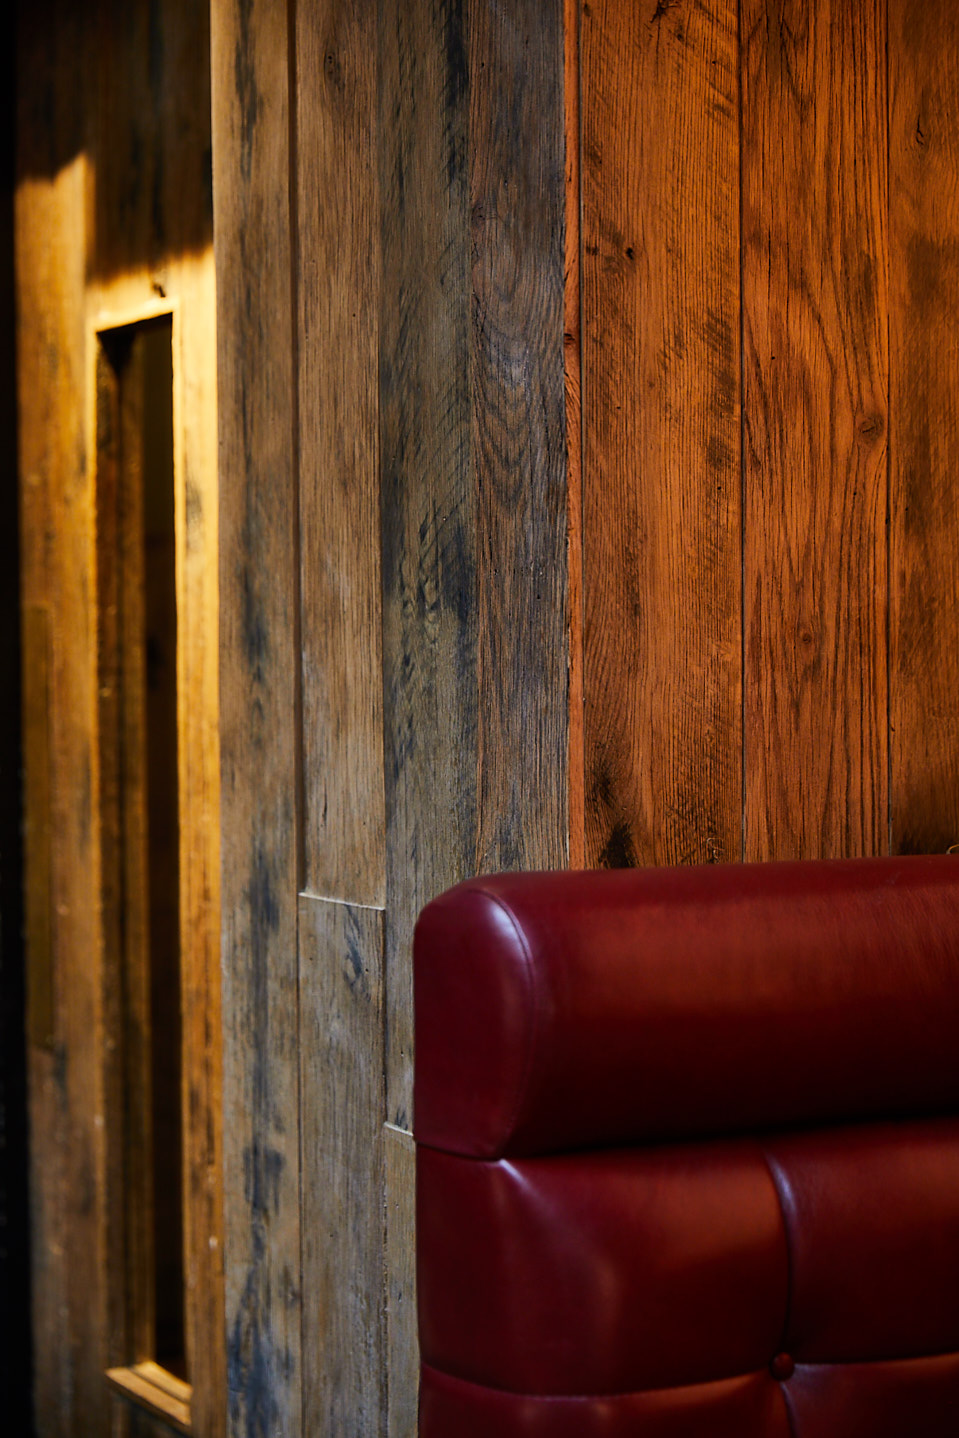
x=688, y=1153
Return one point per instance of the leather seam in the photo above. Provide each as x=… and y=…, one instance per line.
x=599, y=1397
x=678, y=1387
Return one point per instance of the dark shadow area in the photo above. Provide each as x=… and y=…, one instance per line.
x=148, y=133
x=16, y=1359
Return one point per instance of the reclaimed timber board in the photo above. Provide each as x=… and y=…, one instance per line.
x=472, y=426
x=259, y=564
x=337, y=239
x=815, y=385
x=661, y=417
x=341, y=1106
x=402, y=1346
x=573, y=355
x=429, y=530
x=473, y=473
x=70, y=1308
x=515, y=61
x=924, y=426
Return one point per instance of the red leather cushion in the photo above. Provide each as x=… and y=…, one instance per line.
x=577, y=1274
x=556, y=1011
x=750, y=1406
x=601, y=1273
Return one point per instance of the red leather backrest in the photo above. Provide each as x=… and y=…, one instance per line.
x=688, y=1160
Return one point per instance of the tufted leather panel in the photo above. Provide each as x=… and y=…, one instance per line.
x=745, y=1259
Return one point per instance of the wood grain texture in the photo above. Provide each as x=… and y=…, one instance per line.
x=341, y=1098
x=473, y=472
x=661, y=483
x=924, y=425
x=69, y=1334
x=71, y=1315
x=815, y=367
x=259, y=661
x=473, y=460
x=515, y=61
x=573, y=353
x=337, y=365
x=429, y=528
x=402, y=1346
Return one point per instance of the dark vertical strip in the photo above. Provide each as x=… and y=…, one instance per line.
x=744, y=840
x=16, y=1358
x=924, y=482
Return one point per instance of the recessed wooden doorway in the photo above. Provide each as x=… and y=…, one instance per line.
x=118, y=497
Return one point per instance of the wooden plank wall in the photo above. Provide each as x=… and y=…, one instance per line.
x=770, y=556
x=470, y=623
x=113, y=220
x=390, y=253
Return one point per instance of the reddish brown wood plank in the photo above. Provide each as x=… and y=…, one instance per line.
x=815, y=376
x=661, y=481
x=259, y=661
x=573, y=351
x=924, y=425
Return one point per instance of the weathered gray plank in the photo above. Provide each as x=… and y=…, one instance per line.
x=341, y=1116
x=337, y=369
x=402, y=1346
x=259, y=663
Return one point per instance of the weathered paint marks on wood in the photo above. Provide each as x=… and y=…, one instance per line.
x=661, y=480
x=341, y=1105
x=260, y=810
x=815, y=365
x=338, y=377
x=924, y=425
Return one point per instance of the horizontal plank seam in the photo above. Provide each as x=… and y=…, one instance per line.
x=346, y=903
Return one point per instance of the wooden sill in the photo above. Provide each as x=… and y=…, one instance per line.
x=153, y=1388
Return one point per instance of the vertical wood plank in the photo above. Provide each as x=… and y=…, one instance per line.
x=515, y=61
x=259, y=661
x=429, y=553
x=662, y=432
x=573, y=351
x=71, y=1334
x=429, y=529
x=338, y=297
x=924, y=425
x=473, y=467
x=815, y=380
x=403, y=1348
x=341, y=1087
